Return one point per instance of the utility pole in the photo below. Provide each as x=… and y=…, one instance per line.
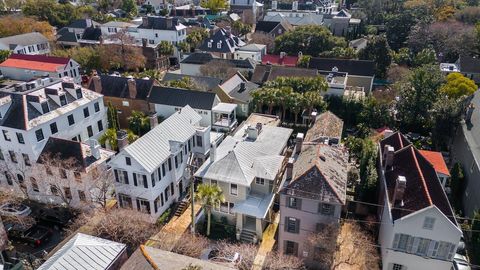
x=192, y=191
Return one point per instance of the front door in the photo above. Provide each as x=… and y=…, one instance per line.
x=249, y=223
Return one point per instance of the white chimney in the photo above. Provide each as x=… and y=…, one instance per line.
x=252, y=133
x=388, y=152
x=153, y=117
x=122, y=139
x=295, y=5
x=400, y=186
x=94, y=149
x=289, y=168
x=387, y=133
x=274, y=5
x=299, y=142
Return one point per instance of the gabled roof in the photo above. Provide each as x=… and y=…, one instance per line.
x=253, y=47
x=352, y=67
x=82, y=23
x=266, y=26
x=64, y=150
x=238, y=87
x=202, y=81
x=287, y=60
x=181, y=97
x=153, y=148
x=197, y=58
x=327, y=125
x=437, y=161
x=423, y=188
x=320, y=173
x=85, y=252
x=160, y=23
x=469, y=64
x=265, y=73
x=115, y=86
x=24, y=39
x=228, y=42
x=35, y=62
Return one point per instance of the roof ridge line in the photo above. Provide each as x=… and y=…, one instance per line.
x=424, y=183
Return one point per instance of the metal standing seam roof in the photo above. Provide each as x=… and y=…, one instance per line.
x=181, y=97
x=238, y=159
x=24, y=39
x=85, y=252
x=153, y=148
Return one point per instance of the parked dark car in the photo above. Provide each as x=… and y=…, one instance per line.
x=55, y=215
x=34, y=235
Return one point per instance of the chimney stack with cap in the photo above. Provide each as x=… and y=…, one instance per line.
x=132, y=88
x=95, y=149
x=97, y=83
x=122, y=139
x=388, y=153
x=400, y=186
x=153, y=117
x=252, y=133
x=213, y=152
x=299, y=143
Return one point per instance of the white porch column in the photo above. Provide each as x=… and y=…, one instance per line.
x=259, y=228
x=239, y=224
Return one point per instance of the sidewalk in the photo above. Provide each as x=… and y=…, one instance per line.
x=267, y=244
x=176, y=226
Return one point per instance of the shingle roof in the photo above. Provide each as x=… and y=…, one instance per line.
x=153, y=148
x=197, y=58
x=181, y=97
x=437, y=161
x=85, y=252
x=63, y=35
x=64, y=150
x=469, y=64
x=228, y=42
x=202, y=58
x=239, y=88
x=24, y=39
x=160, y=23
x=320, y=173
x=423, y=188
x=352, y=67
x=327, y=125
x=82, y=23
x=266, y=26
x=114, y=86
x=92, y=33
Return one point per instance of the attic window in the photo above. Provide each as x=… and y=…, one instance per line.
x=63, y=100
x=79, y=93
x=45, y=108
x=219, y=45
x=209, y=44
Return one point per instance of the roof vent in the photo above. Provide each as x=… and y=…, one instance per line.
x=252, y=133
x=400, y=186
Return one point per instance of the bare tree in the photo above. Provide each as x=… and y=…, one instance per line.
x=124, y=226
x=124, y=55
x=218, y=69
x=261, y=38
x=344, y=247
x=278, y=261
x=101, y=187
x=16, y=172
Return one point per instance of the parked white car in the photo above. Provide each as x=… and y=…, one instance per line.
x=460, y=262
x=14, y=210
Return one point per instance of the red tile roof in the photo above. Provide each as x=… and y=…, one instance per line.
x=437, y=161
x=35, y=62
x=277, y=60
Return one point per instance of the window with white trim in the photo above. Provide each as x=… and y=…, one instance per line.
x=428, y=223
x=234, y=189
x=259, y=181
x=396, y=266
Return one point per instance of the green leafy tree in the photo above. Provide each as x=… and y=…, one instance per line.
x=425, y=57
x=446, y=116
x=303, y=61
x=183, y=46
x=457, y=185
x=109, y=138
x=185, y=83
x=112, y=117
x=165, y=48
x=375, y=114
x=241, y=28
x=402, y=57
x=339, y=52
x=88, y=57
x=130, y=7
x=138, y=123
x=398, y=28
x=4, y=54
x=417, y=96
x=196, y=37
x=314, y=100
x=209, y=196
x=300, y=84
x=377, y=50
x=308, y=39
x=49, y=10
x=214, y=5
x=458, y=85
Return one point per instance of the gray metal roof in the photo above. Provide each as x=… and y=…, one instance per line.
x=239, y=160
x=153, y=148
x=24, y=39
x=85, y=252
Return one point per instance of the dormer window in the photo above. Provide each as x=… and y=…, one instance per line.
x=79, y=93
x=63, y=100
x=209, y=44
x=45, y=108
x=219, y=45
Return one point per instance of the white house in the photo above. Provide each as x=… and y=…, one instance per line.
x=418, y=228
x=29, y=43
x=47, y=116
x=253, y=51
x=220, y=116
x=24, y=67
x=150, y=173
x=191, y=65
x=155, y=29
x=247, y=167
x=114, y=27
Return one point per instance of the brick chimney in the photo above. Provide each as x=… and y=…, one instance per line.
x=97, y=83
x=153, y=117
x=132, y=88
x=122, y=139
x=299, y=143
x=400, y=186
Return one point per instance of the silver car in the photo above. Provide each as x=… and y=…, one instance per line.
x=460, y=262
x=12, y=209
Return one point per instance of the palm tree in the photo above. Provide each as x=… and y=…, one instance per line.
x=139, y=123
x=283, y=97
x=270, y=98
x=209, y=196
x=313, y=99
x=298, y=103
x=110, y=138
x=258, y=99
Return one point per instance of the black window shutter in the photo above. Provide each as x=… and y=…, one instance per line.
x=116, y=175
x=145, y=183
x=153, y=179
x=138, y=205
x=286, y=224
x=297, y=226
x=125, y=175
x=135, y=179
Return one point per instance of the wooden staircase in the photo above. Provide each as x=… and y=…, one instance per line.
x=182, y=206
x=247, y=236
